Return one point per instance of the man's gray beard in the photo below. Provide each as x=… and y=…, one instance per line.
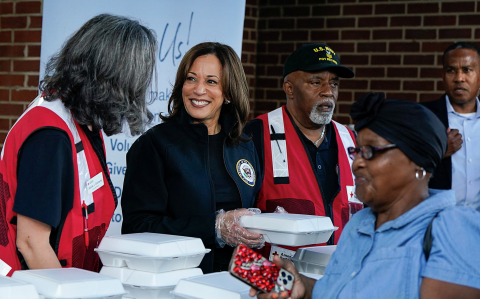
x=321, y=118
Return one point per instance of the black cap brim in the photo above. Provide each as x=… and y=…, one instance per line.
x=340, y=70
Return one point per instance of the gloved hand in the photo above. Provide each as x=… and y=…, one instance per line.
x=230, y=231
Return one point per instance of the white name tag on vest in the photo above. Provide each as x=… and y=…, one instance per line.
x=95, y=183
x=282, y=252
x=4, y=268
x=352, y=196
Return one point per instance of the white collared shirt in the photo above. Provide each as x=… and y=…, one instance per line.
x=466, y=161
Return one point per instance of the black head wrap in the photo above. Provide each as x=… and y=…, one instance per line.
x=417, y=132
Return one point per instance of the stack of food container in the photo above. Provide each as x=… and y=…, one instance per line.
x=150, y=265
x=312, y=261
x=70, y=283
x=297, y=230
x=11, y=288
x=290, y=229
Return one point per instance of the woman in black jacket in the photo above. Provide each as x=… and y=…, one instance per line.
x=197, y=172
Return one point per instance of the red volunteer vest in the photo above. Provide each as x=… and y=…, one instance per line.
x=290, y=181
x=71, y=246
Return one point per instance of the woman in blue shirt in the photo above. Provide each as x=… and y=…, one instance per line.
x=381, y=253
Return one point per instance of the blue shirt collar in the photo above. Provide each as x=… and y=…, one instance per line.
x=451, y=110
x=426, y=208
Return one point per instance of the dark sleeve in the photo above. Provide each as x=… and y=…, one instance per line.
x=254, y=129
x=430, y=104
x=146, y=202
x=45, y=177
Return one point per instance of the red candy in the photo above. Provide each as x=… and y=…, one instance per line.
x=255, y=269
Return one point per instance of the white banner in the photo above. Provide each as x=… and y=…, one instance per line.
x=179, y=25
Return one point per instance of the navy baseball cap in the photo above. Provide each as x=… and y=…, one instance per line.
x=315, y=57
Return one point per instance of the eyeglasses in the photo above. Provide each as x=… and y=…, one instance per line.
x=367, y=151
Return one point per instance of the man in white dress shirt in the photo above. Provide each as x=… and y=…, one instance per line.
x=459, y=110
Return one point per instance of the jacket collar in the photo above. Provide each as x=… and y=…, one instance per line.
x=199, y=131
x=442, y=110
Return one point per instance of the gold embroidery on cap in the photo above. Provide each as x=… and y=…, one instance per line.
x=328, y=59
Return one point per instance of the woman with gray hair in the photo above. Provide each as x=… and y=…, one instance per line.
x=195, y=174
x=56, y=196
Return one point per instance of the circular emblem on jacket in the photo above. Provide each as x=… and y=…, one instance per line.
x=246, y=172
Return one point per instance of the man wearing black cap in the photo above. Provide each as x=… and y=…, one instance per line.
x=306, y=167
x=458, y=110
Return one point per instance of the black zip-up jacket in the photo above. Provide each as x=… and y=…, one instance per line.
x=168, y=188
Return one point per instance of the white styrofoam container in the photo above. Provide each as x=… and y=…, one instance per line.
x=148, y=292
x=151, y=252
x=149, y=279
x=153, y=245
x=72, y=283
x=147, y=285
x=148, y=263
x=313, y=259
x=290, y=229
x=311, y=275
x=11, y=288
x=219, y=285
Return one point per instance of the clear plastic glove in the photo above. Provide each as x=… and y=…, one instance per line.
x=280, y=210
x=230, y=231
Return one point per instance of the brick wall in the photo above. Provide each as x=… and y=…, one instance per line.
x=20, y=37
x=249, y=48
x=393, y=46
